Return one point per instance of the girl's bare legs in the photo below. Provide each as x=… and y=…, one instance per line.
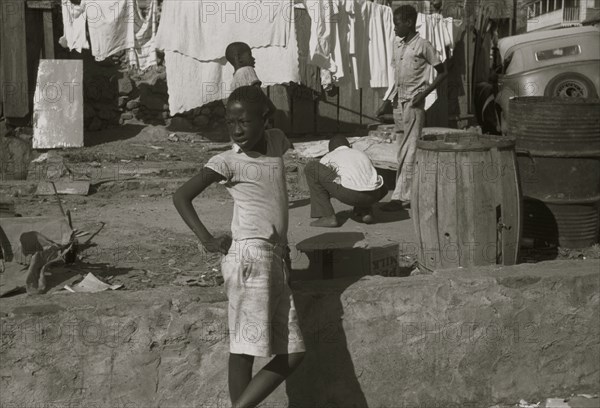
x=240, y=374
x=265, y=381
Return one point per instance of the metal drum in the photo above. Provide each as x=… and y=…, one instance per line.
x=466, y=201
x=558, y=147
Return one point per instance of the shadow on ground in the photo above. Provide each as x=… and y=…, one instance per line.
x=124, y=132
x=327, y=348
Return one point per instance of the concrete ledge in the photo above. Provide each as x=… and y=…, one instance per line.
x=458, y=338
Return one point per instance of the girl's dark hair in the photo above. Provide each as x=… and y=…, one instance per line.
x=407, y=13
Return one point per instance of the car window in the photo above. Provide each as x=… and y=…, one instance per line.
x=558, y=52
x=507, y=62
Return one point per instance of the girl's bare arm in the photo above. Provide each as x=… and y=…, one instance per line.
x=182, y=199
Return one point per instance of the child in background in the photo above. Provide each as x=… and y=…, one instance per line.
x=262, y=315
x=413, y=56
x=348, y=175
x=239, y=55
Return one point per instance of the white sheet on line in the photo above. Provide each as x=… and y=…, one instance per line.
x=202, y=29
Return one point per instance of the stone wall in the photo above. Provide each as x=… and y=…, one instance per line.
x=459, y=338
x=115, y=95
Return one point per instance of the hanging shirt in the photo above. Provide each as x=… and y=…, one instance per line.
x=202, y=29
x=73, y=17
x=381, y=47
x=143, y=55
x=354, y=168
x=322, y=14
x=111, y=27
x=360, y=56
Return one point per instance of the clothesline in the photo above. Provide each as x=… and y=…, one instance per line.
x=348, y=40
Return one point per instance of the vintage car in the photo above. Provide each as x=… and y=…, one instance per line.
x=563, y=62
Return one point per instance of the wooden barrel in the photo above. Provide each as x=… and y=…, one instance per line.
x=466, y=201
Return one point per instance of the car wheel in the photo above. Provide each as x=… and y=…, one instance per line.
x=571, y=85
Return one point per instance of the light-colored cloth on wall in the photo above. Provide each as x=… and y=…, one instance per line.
x=73, y=17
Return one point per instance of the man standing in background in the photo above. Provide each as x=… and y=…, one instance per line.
x=413, y=56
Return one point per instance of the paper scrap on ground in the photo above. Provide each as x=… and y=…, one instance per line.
x=41, y=159
x=557, y=403
x=525, y=404
x=91, y=284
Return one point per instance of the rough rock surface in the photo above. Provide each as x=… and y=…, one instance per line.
x=459, y=338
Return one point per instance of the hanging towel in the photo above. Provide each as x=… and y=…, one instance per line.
x=143, y=55
x=203, y=29
x=73, y=17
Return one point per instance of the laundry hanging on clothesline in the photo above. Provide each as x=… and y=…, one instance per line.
x=113, y=26
x=352, y=40
x=143, y=55
x=202, y=29
x=348, y=40
x=197, y=75
x=74, y=18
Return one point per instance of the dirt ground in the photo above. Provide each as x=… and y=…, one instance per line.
x=142, y=242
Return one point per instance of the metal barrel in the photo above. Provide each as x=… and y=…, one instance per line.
x=558, y=148
x=556, y=127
